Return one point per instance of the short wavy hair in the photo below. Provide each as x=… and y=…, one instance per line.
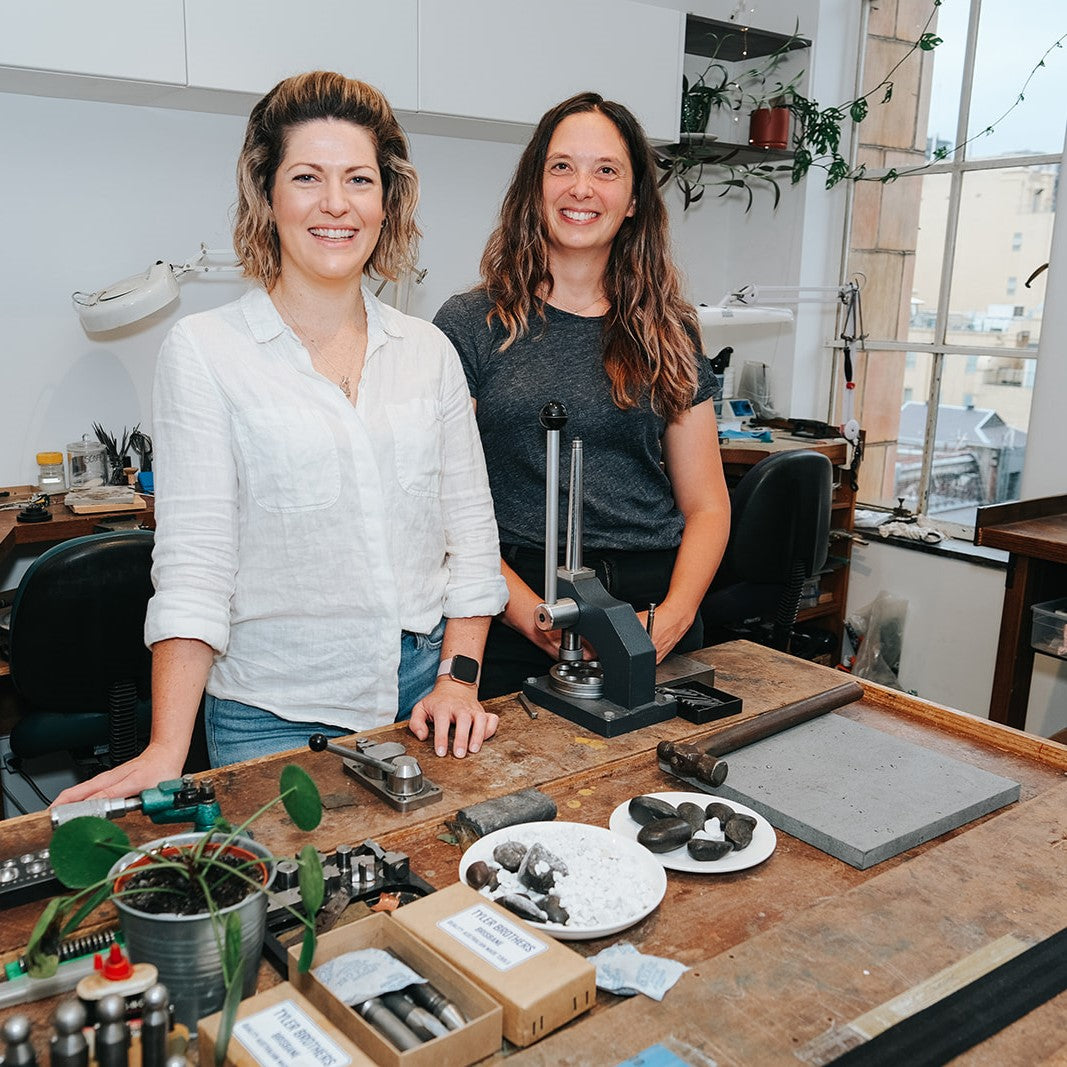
x=304, y=98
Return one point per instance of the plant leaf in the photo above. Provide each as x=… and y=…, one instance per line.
x=307, y=951
x=42, y=949
x=91, y=903
x=300, y=796
x=229, y=1004
x=231, y=948
x=311, y=882
x=83, y=850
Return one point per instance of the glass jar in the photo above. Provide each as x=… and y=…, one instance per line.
x=88, y=463
x=50, y=476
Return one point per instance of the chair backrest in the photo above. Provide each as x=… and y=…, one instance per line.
x=77, y=622
x=780, y=519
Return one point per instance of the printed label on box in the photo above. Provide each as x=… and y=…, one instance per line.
x=283, y=1035
x=496, y=940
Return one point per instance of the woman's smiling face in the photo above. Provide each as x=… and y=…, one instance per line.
x=327, y=200
x=588, y=184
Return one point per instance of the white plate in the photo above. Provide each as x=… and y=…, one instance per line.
x=764, y=839
x=579, y=846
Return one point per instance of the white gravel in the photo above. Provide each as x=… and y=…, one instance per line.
x=605, y=885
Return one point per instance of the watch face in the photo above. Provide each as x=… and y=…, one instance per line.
x=464, y=669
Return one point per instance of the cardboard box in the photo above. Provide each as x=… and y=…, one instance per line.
x=540, y=982
x=481, y=1036
x=277, y=1027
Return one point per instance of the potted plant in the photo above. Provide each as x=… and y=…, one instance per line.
x=768, y=125
x=192, y=904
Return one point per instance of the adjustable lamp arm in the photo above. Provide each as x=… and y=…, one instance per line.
x=137, y=297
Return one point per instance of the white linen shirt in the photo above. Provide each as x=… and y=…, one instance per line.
x=297, y=535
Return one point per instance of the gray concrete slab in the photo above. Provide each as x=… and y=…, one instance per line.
x=857, y=793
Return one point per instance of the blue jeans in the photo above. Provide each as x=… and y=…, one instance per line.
x=237, y=731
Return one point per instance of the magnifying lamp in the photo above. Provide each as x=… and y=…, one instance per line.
x=137, y=297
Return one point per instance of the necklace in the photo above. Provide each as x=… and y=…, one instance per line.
x=345, y=384
x=576, y=311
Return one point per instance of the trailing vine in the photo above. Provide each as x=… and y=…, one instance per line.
x=817, y=133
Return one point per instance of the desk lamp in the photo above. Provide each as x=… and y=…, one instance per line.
x=137, y=297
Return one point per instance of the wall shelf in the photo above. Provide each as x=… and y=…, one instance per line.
x=735, y=43
x=702, y=148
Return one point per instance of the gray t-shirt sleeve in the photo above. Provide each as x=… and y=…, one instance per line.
x=459, y=321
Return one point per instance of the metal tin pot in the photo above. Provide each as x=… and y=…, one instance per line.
x=185, y=948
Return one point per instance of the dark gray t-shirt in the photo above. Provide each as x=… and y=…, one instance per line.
x=628, y=503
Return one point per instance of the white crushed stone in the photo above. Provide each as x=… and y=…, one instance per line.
x=604, y=886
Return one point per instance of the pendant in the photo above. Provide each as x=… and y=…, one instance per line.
x=344, y=387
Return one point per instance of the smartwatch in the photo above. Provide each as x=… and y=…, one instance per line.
x=461, y=668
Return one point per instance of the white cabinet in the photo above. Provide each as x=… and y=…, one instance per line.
x=510, y=61
x=132, y=40
x=248, y=46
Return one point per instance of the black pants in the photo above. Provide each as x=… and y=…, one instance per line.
x=639, y=578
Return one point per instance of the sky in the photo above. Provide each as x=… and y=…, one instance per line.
x=1013, y=36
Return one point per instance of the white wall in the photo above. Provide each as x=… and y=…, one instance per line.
x=945, y=654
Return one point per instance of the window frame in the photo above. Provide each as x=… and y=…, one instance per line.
x=957, y=166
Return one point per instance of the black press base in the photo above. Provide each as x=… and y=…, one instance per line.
x=602, y=717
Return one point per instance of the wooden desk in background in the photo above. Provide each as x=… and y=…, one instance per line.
x=1034, y=532
x=63, y=526
x=781, y=956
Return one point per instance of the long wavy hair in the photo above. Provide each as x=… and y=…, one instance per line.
x=650, y=331
x=303, y=98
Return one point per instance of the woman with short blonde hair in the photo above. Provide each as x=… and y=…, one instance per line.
x=326, y=558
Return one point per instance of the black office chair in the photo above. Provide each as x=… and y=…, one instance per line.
x=779, y=538
x=78, y=657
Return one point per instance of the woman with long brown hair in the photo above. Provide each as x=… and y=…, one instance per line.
x=580, y=302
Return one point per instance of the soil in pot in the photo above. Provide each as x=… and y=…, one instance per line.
x=163, y=890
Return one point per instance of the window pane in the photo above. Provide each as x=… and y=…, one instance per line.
x=947, y=76
x=929, y=256
x=989, y=302
x=980, y=442
x=1011, y=41
x=1004, y=235
x=892, y=381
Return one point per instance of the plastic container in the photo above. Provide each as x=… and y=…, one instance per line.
x=1048, y=632
x=88, y=463
x=50, y=475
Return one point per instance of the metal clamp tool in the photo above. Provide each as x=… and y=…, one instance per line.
x=385, y=769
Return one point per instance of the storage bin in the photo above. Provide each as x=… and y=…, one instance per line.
x=1049, y=629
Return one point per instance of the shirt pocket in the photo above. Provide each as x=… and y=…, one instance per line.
x=416, y=434
x=290, y=458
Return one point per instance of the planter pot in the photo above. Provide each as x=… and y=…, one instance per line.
x=769, y=127
x=184, y=948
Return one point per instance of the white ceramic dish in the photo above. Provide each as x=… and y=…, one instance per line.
x=577, y=844
x=764, y=840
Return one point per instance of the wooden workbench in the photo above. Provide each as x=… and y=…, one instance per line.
x=780, y=955
x=1034, y=533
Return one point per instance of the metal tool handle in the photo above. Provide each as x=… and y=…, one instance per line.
x=575, y=512
x=321, y=743
x=553, y=418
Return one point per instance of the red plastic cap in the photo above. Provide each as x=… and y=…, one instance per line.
x=116, y=967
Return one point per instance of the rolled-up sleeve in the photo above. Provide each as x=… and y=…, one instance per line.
x=475, y=584
x=194, y=562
